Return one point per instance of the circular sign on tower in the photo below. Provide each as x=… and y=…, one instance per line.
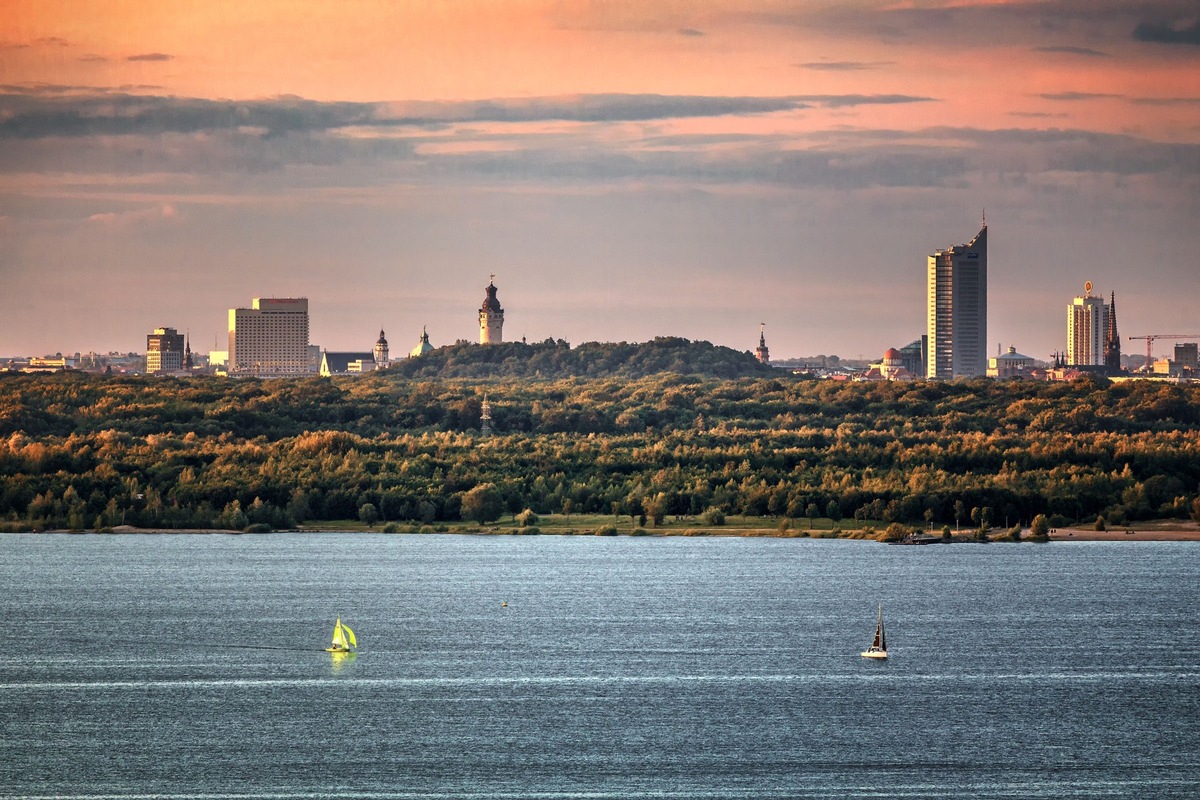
x=1087, y=287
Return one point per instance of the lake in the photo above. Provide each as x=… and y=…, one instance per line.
x=182, y=665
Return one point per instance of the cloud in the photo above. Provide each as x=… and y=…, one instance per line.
x=150, y=57
x=690, y=32
x=1168, y=33
x=89, y=57
x=845, y=66
x=56, y=41
x=1073, y=97
x=51, y=110
x=1166, y=101
x=1075, y=51
x=139, y=216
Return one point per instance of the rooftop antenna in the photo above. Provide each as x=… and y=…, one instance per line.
x=984, y=217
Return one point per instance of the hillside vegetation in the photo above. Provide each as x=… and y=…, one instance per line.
x=79, y=451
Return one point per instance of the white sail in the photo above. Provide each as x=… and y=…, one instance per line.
x=878, y=648
x=339, y=636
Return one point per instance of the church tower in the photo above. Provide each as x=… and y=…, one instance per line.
x=381, y=351
x=761, y=353
x=491, y=317
x=1112, y=340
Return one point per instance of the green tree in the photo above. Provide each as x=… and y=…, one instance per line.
x=1100, y=526
x=811, y=512
x=482, y=503
x=1040, y=527
x=368, y=515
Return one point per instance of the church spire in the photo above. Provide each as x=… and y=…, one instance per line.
x=762, y=354
x=1112, y=339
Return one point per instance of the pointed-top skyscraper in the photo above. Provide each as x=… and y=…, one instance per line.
x=957, y=308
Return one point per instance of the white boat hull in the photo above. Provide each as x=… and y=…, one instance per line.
x=874, y=654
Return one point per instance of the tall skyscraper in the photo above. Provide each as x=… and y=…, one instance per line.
x=270, y=337
x=957, y=305
x=1087, y=330
x=164, y=351
x=491, y=317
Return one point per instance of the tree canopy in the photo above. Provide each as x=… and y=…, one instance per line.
x=80, y=451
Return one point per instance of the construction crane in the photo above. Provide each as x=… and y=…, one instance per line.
x=1150, y=344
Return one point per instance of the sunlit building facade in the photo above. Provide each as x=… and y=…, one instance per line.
x=164, y=351
x=957, y=310
x=270, y=338
x=1087, y=330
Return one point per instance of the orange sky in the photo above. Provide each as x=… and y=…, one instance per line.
x=562, y=142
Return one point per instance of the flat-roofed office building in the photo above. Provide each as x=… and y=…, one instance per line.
x=270, y=338
x=164, y=351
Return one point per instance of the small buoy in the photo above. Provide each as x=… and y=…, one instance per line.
x=504, y=604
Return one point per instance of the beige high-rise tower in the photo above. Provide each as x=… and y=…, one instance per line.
x=957, y=283
x=1087, y=324
x=491, y=317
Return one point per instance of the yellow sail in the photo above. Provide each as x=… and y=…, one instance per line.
x=350, y=636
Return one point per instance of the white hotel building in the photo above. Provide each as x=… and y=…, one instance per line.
x=270, y=338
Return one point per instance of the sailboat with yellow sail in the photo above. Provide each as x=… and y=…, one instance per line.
x=343, y=639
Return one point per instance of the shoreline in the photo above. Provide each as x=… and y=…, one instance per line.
x=1154, y=532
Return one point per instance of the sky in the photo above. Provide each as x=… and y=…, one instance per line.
x=626, y=170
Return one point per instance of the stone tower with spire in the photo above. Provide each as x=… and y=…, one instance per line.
x=1112, y=339
x=761, y=352
x=491, y=317
x=381, y=351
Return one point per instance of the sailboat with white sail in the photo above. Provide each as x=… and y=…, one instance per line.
x=878, y=648
x=343, y=639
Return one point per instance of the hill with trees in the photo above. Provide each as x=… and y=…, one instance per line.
x=557, y=359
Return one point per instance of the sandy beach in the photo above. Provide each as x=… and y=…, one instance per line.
x=1161, y=531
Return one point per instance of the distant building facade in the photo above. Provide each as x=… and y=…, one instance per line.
x=270, y=338
x=957, y=280
x=915, y=356
x=164, y=351
x=1009, y=365
x=890, y=368
x=1087, y=330
x=1187, y=355
x=346, y=363
x=491, y=317
x=381, y=351
x=423, y=345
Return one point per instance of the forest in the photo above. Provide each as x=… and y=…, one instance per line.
x=665, y=429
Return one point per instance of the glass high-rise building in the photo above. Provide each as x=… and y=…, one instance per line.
x=270, y=338
x=957, y=323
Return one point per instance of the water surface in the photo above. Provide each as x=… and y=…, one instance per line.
x=183, y=665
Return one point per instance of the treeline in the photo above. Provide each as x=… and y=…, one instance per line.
x=80, y=451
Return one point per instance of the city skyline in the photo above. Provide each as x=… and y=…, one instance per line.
x=626, y=170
